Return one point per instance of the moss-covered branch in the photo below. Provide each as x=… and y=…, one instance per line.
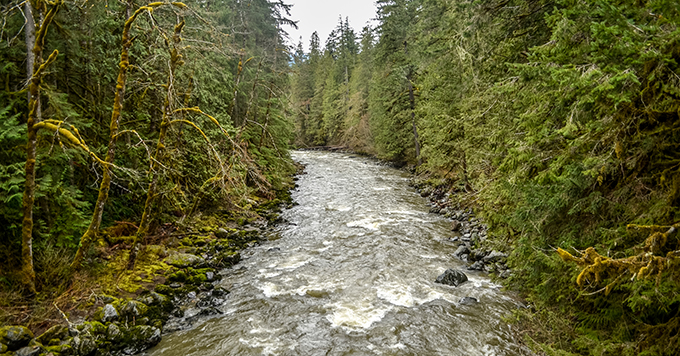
x=656, y=255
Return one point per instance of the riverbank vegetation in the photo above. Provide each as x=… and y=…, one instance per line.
x=557, y=120
x=124, y=126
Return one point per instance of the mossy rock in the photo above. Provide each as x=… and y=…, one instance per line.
x=140, y=338
x=183, y=260
x=134, y=309
x=107, y=313
x=164, y=289
x=15, y=337
x=58, y=332
x=114, y=333
x=156, y=250
x=226, y=259
x=179, y=276
x=198, y=279
x=64, y=349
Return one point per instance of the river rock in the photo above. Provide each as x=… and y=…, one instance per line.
x=462, y=250
x=494, y=256
x=220, y=292
x=183, y=260
x=15, y=337
x=477, y=255
x=87, y=347
x=134, y=308
x=29, y=351
x=142, y=337
x=455, y=225
x=153, y=298
x=477, y=266
x=468, y=301
x=452, y=277
x=113, y=333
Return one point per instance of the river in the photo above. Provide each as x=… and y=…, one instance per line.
x=352, y=274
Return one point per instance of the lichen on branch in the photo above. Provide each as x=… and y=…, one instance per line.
x=658, y=253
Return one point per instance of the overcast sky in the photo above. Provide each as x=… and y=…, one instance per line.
x=322, y=16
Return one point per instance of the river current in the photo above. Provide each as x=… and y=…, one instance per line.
x=352, y=274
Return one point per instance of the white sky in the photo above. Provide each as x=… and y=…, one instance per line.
x=322, y=16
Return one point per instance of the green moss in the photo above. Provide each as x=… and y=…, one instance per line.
x=179, y=276
x=198, y=279
x=125, y=240
x=98, y=328
x=164, y=289
x=59, y=349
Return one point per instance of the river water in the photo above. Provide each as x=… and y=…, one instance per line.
x=352, y=274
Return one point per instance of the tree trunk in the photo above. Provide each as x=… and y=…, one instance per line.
x=143, y=230
x=27, y=271
x=105, y=185
x=35, y=68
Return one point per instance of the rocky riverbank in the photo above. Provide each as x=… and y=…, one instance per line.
x=471, y=235
x=171, y=286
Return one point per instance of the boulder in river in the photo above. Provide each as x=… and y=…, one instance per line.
x=452, y=277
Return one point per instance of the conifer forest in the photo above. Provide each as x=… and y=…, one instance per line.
x=132, y=129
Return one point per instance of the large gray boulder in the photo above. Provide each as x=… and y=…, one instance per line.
x=452, y=277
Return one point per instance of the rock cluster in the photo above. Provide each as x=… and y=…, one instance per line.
x=472, y=233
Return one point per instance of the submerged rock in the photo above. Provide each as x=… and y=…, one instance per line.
x=15, y=337
x=452, y=277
